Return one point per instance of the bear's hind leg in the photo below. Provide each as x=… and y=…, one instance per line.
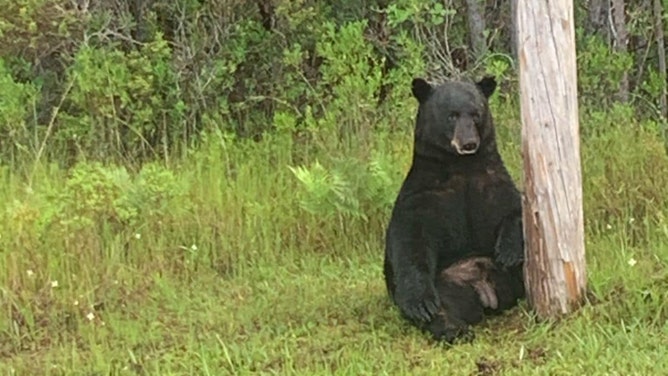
x=464, y=293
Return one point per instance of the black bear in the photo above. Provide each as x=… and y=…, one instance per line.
x=454, y=244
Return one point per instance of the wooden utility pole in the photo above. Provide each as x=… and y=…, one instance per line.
x=555, y=267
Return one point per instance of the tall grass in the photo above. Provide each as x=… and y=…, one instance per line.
x=225, y=263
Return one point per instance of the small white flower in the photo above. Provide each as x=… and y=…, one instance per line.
x=631, y=220
x=608, y=226
x=76, y=303
x=193, y=247
x=137, y=236
x=30, y=273
x=90, y=316
x=54, y=283
x=632, y=261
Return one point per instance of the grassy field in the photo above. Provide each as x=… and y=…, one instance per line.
x=225, y=263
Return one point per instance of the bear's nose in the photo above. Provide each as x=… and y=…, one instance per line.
x=470, y=146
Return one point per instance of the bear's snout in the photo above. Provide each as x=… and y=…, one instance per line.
x=465, y=140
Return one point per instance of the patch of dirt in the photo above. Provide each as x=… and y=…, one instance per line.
x=487, y=367
x=537, y=355
x=514, y=320
x=492, y=367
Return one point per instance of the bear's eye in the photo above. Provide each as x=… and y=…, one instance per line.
x=475, y=117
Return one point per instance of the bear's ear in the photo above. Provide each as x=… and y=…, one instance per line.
x=487, y=85
x=421, y=89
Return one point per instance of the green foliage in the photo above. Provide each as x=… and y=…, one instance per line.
x=624, y=183
x=351, y=78
x=349, y=190
x=151, y=194
x=327, y=193
x=427, y=22
x=138, y=82
x=600, y=70
x=500, y=66
x=33, y=27
x=96, y=199
x=89, y=196
x=16, y=107
x=429, y=14
x=119, y=101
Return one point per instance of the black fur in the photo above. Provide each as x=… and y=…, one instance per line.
x=457, y=202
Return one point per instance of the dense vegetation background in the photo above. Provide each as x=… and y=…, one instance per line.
x=201, y=187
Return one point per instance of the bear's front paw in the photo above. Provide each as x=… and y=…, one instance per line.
x=509, y=260
x=422, y=307
x=509, y=247
x=444, y=329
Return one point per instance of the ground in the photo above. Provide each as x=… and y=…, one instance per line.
x=245, y=282
x=278, y=319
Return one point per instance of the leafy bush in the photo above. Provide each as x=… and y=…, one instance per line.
x=17, y=105
x=125, y=103
x=135, y=81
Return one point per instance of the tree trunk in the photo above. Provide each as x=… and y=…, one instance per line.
x=476, y=21
x=555, y=267
x=621, y=35
x=513, y=29
x=658, y=29
x=598, y=18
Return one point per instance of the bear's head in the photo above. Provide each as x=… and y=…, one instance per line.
x=454, y=117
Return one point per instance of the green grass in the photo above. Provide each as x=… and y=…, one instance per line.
x=213, y=267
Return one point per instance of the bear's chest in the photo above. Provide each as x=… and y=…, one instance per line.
x=472, y=207
x=486, y=191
